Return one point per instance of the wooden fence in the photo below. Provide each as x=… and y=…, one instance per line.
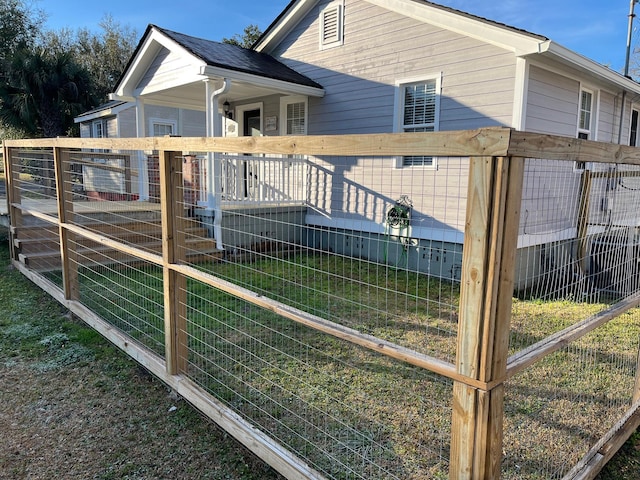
x=483, y=360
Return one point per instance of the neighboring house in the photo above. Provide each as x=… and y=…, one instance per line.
x=367, y=66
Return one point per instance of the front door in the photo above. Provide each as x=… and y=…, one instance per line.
x=251, y=125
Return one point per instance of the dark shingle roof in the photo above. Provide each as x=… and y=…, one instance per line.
x=104, y=106
x=232, y=57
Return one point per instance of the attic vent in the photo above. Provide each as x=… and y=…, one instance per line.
x=331, y=26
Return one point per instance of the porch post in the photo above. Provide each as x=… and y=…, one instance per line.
x=143, y=176
x=214, y=161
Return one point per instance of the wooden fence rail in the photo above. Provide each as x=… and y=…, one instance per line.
x=482, y=363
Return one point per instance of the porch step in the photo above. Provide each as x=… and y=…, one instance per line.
x=38, y=246
x=50, y=262
x=34, y=240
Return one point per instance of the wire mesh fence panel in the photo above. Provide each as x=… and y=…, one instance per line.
x=578, y=245
x=348, y=412
x=379, y=255
x=125, y=292
x=577, y=260
x=110, y=200
x=34, y=179
x=312, y=295
x=40, y=250
x=559, y=409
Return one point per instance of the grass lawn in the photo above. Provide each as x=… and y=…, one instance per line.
x=356, y=406
x=73, y=406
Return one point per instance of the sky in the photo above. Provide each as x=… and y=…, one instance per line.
x=596, y=29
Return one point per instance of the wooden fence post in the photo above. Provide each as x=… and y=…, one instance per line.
x=12, y=175
x=490, y=242
x=173, y=251
x=583, y=220
x=64, y=196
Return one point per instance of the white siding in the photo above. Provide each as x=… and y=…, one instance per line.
x=194, y=123
x=609, y=119
x=552, y=105
x=85, y=130
x=158, y=112
x=382, y=47
x=358, y=193
x=167, y=68
x=112, y=127
x=127, y=123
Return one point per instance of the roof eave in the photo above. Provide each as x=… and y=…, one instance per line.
x=280, y=27
x=153, y=39
x=102, y=113
x=281, y=85
x=581, y=62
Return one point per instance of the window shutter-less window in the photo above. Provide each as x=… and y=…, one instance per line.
x=295, y=119
x=419, y=115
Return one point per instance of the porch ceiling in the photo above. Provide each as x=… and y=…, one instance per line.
x=193, y=96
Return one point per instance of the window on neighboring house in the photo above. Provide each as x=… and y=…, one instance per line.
x=331, y=26
x=419, y=105
x=98, y=129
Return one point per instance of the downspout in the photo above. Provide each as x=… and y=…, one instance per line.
x=214, y=184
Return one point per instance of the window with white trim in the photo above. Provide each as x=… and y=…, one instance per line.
x=160, y=127
x=98, y=129
x=293, y=114
x=418, y=111
x=585, y=114
x=331, y=26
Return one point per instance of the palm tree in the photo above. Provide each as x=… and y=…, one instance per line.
x=43, y=91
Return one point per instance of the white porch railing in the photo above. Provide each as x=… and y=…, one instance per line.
x=262, y=180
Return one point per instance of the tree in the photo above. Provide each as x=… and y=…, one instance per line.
x=50, y=78
x=105, y=55
x=43, y=91
x=19, y=27
x=246, y=39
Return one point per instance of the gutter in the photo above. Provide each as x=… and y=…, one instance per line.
x=261, y=81
x=581, y=62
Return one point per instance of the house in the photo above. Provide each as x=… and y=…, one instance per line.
x=372, y=66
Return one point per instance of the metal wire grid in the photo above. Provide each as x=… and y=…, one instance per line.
x=34, y=179
x=348, y=412
x=578, y=256
x=106, y=197
x=125, y=292
x=579, y=245
x=396, y=282
x=375, y=281
x=558, y=409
